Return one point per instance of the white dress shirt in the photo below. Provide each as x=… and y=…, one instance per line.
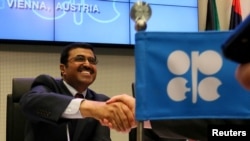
x=72, y=111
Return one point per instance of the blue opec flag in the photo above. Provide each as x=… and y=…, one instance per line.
x=184, y=75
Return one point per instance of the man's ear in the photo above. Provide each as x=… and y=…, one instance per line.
x=62, y=69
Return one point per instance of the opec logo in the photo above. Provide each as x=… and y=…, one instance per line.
x=208, y=62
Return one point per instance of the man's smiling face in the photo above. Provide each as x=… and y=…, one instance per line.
x=80, y=70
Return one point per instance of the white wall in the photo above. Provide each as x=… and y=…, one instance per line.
x=115, y=68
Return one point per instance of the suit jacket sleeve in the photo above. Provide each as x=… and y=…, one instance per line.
x=45, y=101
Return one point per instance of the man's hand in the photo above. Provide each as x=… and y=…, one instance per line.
x=124, y=98
x=127, y=100
x=117, y=114
x=242, y=74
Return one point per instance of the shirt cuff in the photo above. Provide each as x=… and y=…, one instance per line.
x=72, y=111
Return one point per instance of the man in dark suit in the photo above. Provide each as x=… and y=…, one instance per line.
x=55, y=115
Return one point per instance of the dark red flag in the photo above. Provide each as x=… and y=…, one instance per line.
x=236, y=17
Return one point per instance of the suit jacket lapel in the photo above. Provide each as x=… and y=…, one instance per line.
x=64, y=89
x=89, y=95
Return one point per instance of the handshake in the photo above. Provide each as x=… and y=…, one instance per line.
x=117, y=113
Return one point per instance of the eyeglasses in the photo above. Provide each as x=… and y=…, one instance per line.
x=82, y=58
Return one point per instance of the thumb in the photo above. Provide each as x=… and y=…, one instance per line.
x=111, y=100
x=117, y=98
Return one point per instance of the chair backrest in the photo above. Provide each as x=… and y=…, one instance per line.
x=15, y=125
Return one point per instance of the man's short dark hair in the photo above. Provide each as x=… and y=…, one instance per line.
x=68, y=48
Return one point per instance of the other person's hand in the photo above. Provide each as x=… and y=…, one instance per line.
x=127, y=100
x=117, y=114
x=242, y=74
x=124, y=98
